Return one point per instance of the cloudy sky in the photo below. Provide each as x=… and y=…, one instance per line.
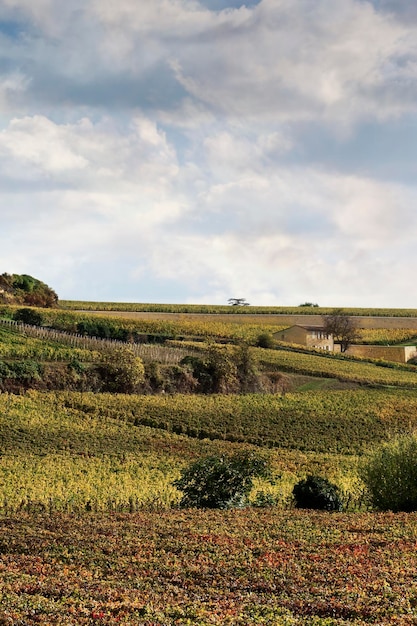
x=197, y=150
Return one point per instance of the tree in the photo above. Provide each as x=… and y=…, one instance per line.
x=342, y=327
x=247, y=370
x=309, y=305
x=238, y=302
x=220, y=482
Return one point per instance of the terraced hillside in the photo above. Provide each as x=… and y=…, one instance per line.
x=90, y=531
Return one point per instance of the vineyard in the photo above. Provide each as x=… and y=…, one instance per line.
x=90, y=529
x=387, y=336
x=346, y=369
x=63, y=450
x=124, y=324
x=30, y=342
x=68, y=451
x=346, y=422
x=244, y=568
x=18, y=343
x=74, y=305
x=118, y=324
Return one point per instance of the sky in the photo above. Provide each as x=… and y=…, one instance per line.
x=187, y=151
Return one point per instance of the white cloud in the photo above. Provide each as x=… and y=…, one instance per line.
x=107, y=162
x=231, y=153
x=41, y=145
x=48, y=16
x=77, y=154
x=12, y=88
x=299, y=60
x=225, y=226
x=286, y=60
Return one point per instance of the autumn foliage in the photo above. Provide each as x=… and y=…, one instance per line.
x=24, y=289
x=390, y=474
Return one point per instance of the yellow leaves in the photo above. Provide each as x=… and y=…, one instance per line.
x=78, y=450
x=343, y=369
x=14, y=345
x=387, y=336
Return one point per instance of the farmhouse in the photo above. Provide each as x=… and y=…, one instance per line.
x=309, y=336
x=317, y=337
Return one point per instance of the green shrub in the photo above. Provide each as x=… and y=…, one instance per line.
x=265, y=340
x=315, y=492
x=77, y=367
x=21, y=370
x=26, y=370
x=390, y=475
x=220, y=482
x=28, y=316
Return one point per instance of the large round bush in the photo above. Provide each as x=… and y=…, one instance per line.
x=316, y=492
x=221, y=482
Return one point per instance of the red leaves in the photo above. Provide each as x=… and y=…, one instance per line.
x=209, y=567
x=98, y=615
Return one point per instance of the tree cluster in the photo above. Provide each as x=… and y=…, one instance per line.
x=24, y=289
x=222, y=369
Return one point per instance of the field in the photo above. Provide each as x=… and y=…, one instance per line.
x=74, y=305
x=373, y=374
x=66, y=451
x=228, y=325
x=245, y=567
x=90, y=529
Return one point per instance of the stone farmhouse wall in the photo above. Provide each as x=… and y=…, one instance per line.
x=398, y=354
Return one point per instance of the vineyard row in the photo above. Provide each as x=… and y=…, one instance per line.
x=147, y=352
